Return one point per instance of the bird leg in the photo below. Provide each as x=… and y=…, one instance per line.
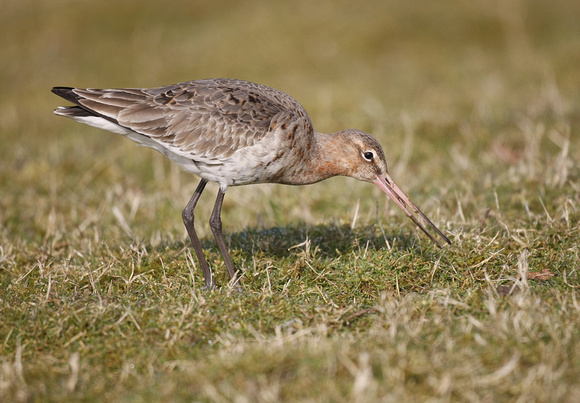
x=188, y=219
x=215, y=223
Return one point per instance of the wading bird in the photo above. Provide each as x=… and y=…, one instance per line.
x=234, y=133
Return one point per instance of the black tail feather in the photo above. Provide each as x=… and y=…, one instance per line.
x=66, y=93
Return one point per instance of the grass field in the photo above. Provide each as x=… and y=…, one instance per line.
x=477, y=105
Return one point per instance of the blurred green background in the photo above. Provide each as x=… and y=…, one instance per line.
x=442, y=85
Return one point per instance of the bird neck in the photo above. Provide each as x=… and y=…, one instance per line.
x=327, y=157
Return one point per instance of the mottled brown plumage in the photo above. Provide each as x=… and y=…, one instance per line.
x=234, y=133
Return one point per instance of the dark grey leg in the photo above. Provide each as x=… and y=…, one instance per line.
x=188, y=219
x=215, y=223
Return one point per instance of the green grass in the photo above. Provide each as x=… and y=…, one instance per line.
x=477, y=105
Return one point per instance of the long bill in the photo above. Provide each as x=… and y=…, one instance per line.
x=388, y=186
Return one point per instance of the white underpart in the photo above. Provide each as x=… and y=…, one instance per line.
x=100, y=123
x=238, y=169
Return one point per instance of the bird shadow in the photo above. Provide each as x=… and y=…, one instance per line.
x=292, y=244
x=323, y=240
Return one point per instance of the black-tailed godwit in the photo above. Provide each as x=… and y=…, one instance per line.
x=235, y=133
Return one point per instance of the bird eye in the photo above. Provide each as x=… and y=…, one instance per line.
x=368, y=155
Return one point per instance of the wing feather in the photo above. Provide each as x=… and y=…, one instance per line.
x=205, y=119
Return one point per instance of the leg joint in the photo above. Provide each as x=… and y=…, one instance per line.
x=215, y=223
x=187, y=215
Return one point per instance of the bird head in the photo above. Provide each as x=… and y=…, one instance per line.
x=368, y=164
